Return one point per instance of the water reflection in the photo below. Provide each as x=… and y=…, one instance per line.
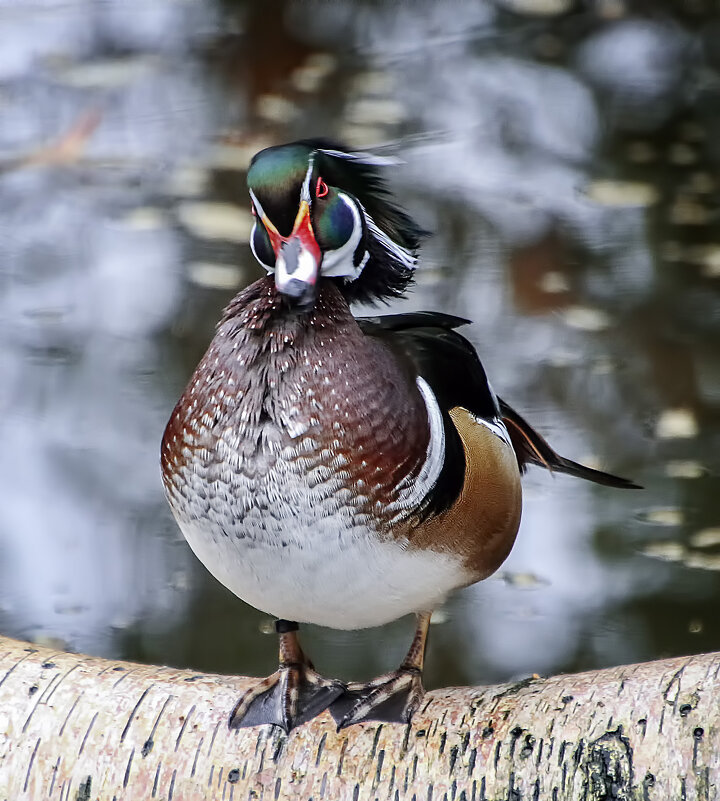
x=565, y=162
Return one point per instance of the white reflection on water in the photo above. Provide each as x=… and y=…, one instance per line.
x=78, y=468
x=86, y=541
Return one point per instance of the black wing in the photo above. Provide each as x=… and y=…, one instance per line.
x=427, y=346
x=450, y=365
x=437, y=353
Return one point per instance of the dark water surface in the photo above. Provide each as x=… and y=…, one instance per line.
x=567, y=161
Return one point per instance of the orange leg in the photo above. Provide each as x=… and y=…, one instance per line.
x=393, y=697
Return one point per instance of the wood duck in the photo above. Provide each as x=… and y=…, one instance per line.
x=336, y=470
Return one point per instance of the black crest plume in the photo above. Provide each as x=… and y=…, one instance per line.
x=393, y=245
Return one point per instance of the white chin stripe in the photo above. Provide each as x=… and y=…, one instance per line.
x=339, y=263
x=268, y=267
x=306, y=270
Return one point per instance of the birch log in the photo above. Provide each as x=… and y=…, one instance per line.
x=78, y=728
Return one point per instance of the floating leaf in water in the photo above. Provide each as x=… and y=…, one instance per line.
x=309, y=76
x=146, y=218
x=703, y=561
x=684, y=468
x=361, y=135
x=109, y=73
x=688, y=212
x=702, y=183
x=667, y=551
x=710, y=261
x=622, y=193
x=706, y=538
x=188, y=181
x=664, y=516
x=682, y=154
x=231, y=157
x=554, y=282
x=215, y=276
x=641, y=152
x=586, y=318
x=677, y=423
x=524, y=581
x=69, y=148
x=376, y=111
x=561, y=357
x=373, y=82
x=276, y=108
x=216, y=221
x=538, y=8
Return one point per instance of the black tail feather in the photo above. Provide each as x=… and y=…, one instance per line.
x=531, y=448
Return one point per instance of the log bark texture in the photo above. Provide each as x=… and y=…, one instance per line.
x=78, y=728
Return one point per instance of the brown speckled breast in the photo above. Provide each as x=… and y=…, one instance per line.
x=280, y=392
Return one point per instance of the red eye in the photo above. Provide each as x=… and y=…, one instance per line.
x=321, y=189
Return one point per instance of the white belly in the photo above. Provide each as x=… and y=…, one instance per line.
x=326, y=574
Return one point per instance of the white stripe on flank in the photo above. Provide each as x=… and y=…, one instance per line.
x=497, y=427
x=413, y=490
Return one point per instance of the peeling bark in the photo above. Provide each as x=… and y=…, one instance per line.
x=80, y=728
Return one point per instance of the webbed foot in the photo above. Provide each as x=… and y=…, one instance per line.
x=291, y=696
x=392, y=698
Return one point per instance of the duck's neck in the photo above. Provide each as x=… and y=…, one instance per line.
x=260, y=316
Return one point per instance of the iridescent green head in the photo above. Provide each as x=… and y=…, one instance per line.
x=324, y=212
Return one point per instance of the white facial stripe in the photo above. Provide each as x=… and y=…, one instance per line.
x=339, y=263
x=256, y=203
x=305, y=191
x=306, y=270
x=254, y=252
x=413, y=491
x=403, y=255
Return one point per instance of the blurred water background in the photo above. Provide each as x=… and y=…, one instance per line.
x=565, y=154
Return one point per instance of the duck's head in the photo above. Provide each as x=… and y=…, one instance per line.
x=324, y=212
